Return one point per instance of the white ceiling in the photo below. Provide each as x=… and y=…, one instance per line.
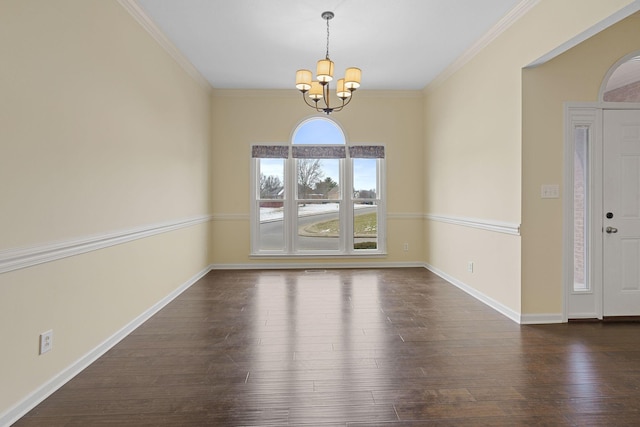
x=259, y=44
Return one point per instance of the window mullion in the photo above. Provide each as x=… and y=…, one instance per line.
x=347, y=205
x=382, y=206
x=255, y=205
x=290, y=204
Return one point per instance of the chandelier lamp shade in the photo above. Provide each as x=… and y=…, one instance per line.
x=318, y=90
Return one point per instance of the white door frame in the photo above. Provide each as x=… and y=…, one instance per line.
x=585, y=304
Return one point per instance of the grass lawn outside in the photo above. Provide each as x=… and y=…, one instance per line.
x=365, y=225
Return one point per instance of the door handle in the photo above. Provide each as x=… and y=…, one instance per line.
x=611, y=230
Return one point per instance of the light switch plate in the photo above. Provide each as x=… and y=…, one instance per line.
x=550, y=191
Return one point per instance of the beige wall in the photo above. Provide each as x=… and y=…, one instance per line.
x=242, y=118
x=473, y=137
x=101, y=132
x=574, y=76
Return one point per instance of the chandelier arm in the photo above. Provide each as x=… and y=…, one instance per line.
x=314, y=105
x=344, y=104
x=304, y=98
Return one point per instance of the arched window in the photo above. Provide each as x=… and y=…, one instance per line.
x=318, y=131
x=318, y=195
x=622, y=83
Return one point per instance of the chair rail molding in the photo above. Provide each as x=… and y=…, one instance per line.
x=15, y=259
x=483, y=224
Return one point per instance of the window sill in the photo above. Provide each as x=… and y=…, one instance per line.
x=319, y=255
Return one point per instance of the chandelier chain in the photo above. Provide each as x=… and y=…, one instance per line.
x=327, y=56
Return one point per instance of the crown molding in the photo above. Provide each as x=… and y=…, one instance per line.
x=293, y=93
x=500, y=27
x=147, y=23
x=379, y=93
x=623, y=13
x=255, y=93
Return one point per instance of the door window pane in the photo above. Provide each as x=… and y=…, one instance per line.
x=580, y=209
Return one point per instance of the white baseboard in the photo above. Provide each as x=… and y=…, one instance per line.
x=540, y=319
x=304, y=265
x=584, y=316
x=44, y=391
x=523, y=319
x=499, y=307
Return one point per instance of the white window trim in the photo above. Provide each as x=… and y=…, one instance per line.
x=583, y=304
x=346, y=239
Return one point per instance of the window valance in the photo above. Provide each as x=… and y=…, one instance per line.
x=270, y=151
x=366, y=152
x=317, y=152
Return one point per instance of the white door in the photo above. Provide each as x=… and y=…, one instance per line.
x=621, y=225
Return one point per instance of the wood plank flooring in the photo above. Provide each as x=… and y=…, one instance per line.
x=388, y=347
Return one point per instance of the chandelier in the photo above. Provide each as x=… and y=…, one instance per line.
x=319, y=89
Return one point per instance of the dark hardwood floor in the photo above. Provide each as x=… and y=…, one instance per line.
x=351, y=348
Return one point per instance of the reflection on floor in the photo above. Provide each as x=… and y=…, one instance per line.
x=350, y=347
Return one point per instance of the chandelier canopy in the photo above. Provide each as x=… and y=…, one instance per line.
x=319, y=89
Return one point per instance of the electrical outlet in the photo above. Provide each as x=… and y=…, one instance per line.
x=46, y=341
x=405, y=247
x=470, y=266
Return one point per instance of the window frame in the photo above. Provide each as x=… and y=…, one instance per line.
x=346, y=212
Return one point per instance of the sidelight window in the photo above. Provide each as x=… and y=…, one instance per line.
x=580, y=209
